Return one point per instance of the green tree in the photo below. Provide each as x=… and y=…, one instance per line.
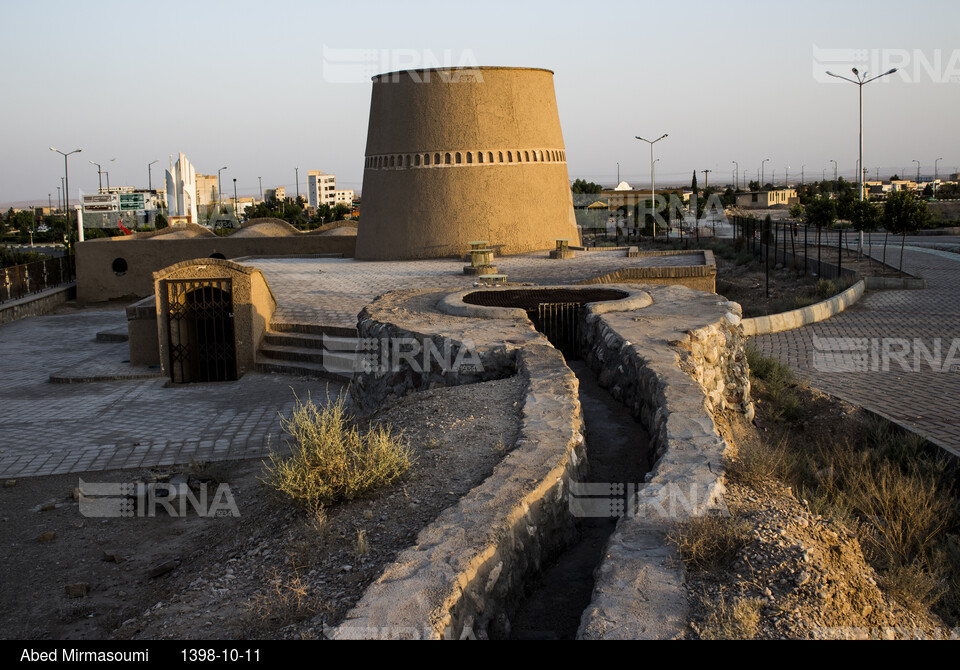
x=820, y=212
x=582, y=186
x=340, y=212
x=796, y=210
x=903, y=212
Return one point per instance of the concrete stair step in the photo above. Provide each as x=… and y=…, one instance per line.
x=311, y=328
x=295, y=339
x=292, y=353
x=301, y=368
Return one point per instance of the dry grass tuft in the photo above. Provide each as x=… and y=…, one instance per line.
x=709, y=542
x=738, y=619
x=331, y=459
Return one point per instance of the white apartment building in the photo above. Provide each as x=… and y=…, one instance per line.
x=321, y=189
x=344, y=197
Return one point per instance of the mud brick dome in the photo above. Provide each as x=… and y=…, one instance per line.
x=461, y=154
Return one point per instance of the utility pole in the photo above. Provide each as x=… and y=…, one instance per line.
x=260, y=179
x=298, y=182
x=236, y=203
x=706, y=179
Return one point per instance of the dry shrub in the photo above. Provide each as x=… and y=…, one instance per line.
x=331, y=459
x=738, y=619
x=709, y=542
x=286, y=600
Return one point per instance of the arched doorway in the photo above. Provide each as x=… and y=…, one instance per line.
x=201, y=334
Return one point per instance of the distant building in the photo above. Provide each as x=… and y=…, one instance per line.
x=767, y=199
x=182, y=189
x=321, y=189
x=206, y=189
x=344, y=197
x=241, y=205
x=279, y=194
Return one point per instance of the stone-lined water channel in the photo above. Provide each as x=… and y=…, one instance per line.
x=617, y=452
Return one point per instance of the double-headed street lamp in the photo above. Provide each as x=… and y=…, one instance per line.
x=762, y=171
x=860, y=81
x=100, y=175
x=66, y=187
x=653, y=192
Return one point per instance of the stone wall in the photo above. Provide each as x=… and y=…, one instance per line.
x=37, y=303
x=674, y=374
x=467, y=570
x=673, y=355
x=698, y=277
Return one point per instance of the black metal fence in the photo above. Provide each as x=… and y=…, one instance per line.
x=18, y=281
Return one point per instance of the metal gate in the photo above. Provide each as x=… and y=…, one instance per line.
x=560, y=323
x=200, y=329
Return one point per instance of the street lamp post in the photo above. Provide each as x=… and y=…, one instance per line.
x=236, y=203
x=297, y=170
x=66, y=188
x=763, y=171
x=100, y=175
x=652, y=183
x=860, y=81
x=835, y=171
x=150, y=174
x=736, y=179
x=936, y=175
x=260, y=179
x=918, y=170
x=219, y=191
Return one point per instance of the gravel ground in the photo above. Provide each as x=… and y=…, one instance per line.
x=272, y=572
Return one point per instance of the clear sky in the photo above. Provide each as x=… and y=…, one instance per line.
x=266, y=87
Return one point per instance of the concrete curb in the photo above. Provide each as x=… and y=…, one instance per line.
x=775, y=323
x=37, y=303
x=894, y=283
x=454, y=305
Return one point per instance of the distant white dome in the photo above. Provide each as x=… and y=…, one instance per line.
x=623, y=186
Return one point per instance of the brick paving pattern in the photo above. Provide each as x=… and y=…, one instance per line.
x=915, y=390
x=333, y=291
x=50, y=428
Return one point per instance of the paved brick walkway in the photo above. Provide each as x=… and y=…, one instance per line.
x=50, y=428
x=883, y=368
x=333, y=291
